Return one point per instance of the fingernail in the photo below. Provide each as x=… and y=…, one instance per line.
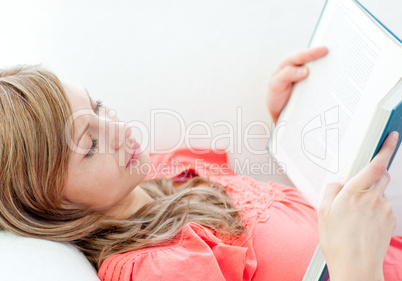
x=301, y=71
x=394, y=136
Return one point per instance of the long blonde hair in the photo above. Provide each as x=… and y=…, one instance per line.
x=34, y=155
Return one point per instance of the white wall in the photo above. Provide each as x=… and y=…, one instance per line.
x=202, y=59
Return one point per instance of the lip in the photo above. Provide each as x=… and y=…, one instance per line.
x=136, y=154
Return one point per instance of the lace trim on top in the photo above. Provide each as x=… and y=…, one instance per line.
x=254, y=198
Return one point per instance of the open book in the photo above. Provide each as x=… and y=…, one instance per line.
x=336, y=119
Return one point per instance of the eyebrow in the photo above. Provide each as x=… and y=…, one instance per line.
x=87, y=126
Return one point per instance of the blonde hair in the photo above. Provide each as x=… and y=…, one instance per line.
x=34, y=155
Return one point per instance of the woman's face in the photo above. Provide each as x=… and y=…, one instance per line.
x=106, y=164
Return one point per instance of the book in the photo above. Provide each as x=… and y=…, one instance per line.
x=336, y=120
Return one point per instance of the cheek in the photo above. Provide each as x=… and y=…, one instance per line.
x=95, y=186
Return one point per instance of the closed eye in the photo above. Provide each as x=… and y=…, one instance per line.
x=98, y=106
x=93, y=149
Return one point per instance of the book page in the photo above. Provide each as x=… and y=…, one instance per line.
x=320, y=130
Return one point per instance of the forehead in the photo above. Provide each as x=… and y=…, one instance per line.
x=80, y=105
x=76, y=94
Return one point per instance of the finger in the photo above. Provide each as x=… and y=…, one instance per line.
x=381, y=185
x=288, y=75
x=377, y=167
x=304, y=56
x=331, y=191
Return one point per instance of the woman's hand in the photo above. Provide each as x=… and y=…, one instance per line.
x=290, y=70
x=356, y=221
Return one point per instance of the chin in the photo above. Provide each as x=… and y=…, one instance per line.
x=140, y=169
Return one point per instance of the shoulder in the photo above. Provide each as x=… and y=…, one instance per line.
x=194, y=250
x=206, y=162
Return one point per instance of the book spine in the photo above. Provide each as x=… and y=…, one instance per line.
x=394, y=124
x=325, y=274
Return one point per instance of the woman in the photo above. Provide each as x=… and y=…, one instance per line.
x=72, y=172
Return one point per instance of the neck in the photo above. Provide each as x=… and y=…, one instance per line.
x=134, y=201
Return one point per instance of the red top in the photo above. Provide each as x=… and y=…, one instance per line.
x=281, y=238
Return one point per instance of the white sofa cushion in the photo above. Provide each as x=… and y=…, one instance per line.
x=33, y=259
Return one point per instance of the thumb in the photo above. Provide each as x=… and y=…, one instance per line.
x=331, y=191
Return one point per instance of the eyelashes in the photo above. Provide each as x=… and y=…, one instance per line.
x=98, y=106
x=93, y=149
x=94, y=146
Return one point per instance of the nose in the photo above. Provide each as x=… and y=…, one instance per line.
x=118, y=134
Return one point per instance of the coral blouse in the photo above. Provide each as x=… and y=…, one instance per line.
x=281, y=238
